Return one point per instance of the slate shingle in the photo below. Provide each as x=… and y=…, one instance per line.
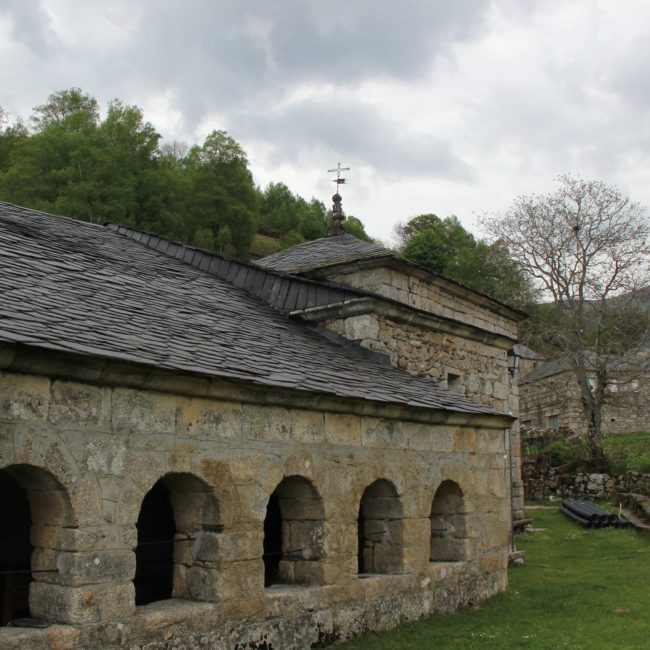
x=90, y=290
x=321, y=252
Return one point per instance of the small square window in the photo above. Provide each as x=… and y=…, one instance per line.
x=454, y=382
x=553, y=421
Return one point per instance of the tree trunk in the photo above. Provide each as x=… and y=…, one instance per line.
x=592, y=406
x=595, y=451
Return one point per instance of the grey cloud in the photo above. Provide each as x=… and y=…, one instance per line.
x=223, y=54
x=352, y=131
x=30, y=24
x=628, y=74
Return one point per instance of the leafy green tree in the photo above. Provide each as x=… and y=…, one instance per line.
x=314, y=223
x=63, y=105
x=442, y=245
x=222, y=192
x=405, y=231
x=78, y=166
x=10, y=136
x=354, y=226
x=445, y=247
x=55, y=161
x=73, y=162
x=279, y=211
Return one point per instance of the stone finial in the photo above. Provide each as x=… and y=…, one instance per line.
x=337, y=216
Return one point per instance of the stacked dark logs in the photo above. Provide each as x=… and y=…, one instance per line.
x=589, y=515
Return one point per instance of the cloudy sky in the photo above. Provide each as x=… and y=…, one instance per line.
x=445, y=106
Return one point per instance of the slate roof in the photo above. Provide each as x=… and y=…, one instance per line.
x=339, y=249
x=76, y=287
x=285, y=292
x=629, y=362
x=547, y=369
x=325, y=251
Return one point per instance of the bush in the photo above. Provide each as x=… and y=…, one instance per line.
x=629, y=451
x=563, y=452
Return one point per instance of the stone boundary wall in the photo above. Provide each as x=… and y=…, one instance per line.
x=540, y=484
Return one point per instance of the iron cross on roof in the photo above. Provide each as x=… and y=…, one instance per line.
x=337, y=211
x=338, y=180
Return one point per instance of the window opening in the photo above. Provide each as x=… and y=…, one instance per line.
x=454, y=382
x=154, y=575
x=293, y=534
x=448, y=524
x=15, y=550
x=272, y=541
x=379, y=530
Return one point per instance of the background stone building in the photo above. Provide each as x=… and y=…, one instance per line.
x=196, y=452
x=550, y=398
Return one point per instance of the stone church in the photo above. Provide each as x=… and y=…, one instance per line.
x=197, y=452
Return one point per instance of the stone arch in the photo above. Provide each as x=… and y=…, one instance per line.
x=293, y=534
x=35, y=516
x=380, y=529
x=177, y=532
x=448, y=524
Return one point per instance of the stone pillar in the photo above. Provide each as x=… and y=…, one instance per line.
x=517, y=487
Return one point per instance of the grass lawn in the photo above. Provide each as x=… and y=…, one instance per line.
x=580, y=589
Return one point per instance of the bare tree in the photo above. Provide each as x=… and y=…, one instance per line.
x=175, y=150
x=587, y=248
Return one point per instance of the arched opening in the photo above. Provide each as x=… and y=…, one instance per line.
x=380, y=529
x=448, y=524
x=272, y=540
x=33, y=504
x=15, y=550
x=154, y=555
x=177, y=517
x=293, y=534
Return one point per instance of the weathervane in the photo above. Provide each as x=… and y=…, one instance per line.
x=337, y=211
x=338, y=180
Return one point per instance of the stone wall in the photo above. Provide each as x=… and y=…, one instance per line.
x=479, y=370
x=87, y=441
x=466, y=349
x=542, y=483
x=475, y=369
x=430, y=293
x=555, y=400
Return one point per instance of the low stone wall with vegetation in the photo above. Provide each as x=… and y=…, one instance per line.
x=542, y=483
x=554, y=465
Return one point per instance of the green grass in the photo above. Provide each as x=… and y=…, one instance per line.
x=580, y=589
x=629, y=451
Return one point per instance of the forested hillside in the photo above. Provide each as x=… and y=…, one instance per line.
x=68, y=159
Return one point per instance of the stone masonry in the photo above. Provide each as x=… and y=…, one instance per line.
x=553, y=400
x=444, y=332
x=87, y=452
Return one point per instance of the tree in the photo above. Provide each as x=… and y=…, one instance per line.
x=354, y=226
x=446, y=248
x=62, y=105
x=221, y=194
x=437, y=243
x=586, y=246
x=405, y=231
x=10, y=136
